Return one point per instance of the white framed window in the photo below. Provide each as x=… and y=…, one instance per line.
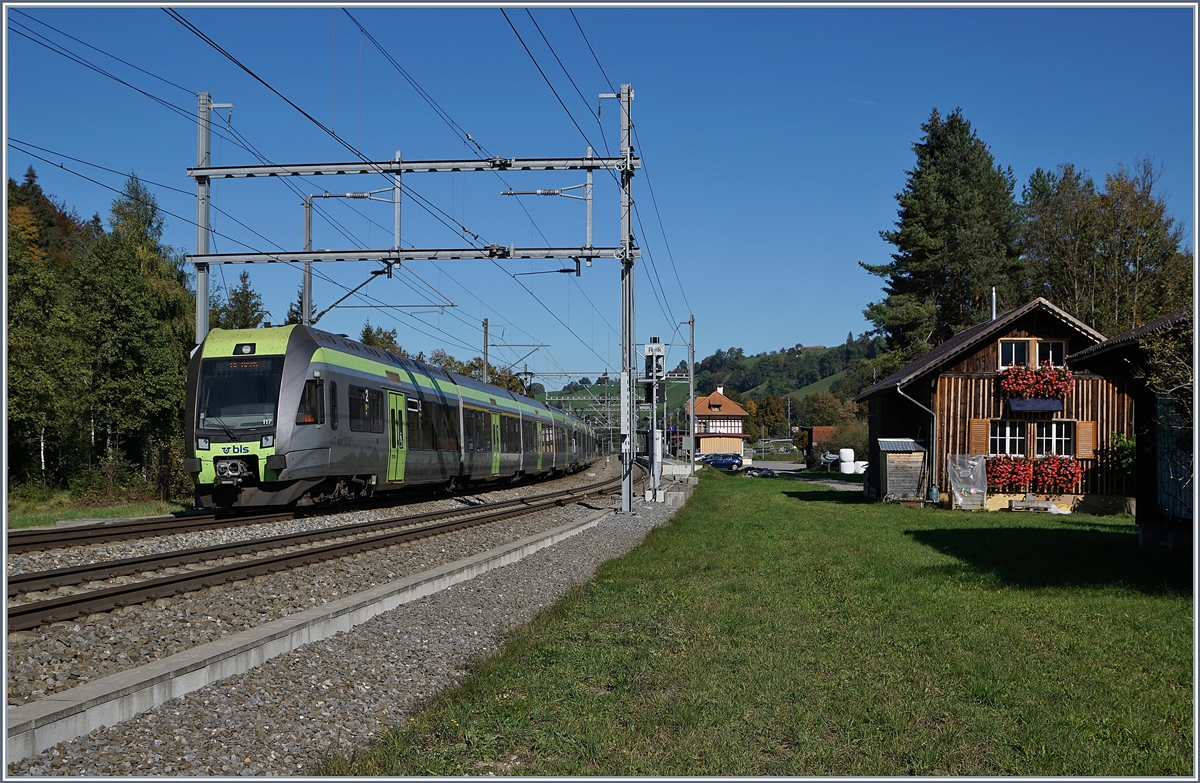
x=1014, y=353
x=1056, y=437
x=1007, y=437
x=1052, y=351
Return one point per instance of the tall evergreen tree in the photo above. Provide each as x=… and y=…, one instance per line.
x=243, y=309
x=378, y=337
x=295, y=311
x=955, y=239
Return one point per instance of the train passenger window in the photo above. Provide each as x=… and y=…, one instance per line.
x=358, y=408
x=447, y=424
x=333, y=409
x=312, y=403
x=375, y=409
x=483, y=431
x=425, y=423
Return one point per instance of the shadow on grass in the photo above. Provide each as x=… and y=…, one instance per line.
x=1046, y=557
x=849, y=497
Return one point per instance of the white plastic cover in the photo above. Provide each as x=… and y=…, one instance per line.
x=968, y=479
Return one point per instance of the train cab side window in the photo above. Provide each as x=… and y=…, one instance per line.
x=312, y=403
x=333, y=409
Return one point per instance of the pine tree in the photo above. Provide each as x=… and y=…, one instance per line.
x=242, y=310
x=955, y=239
x=296, y=309
x=377, y=337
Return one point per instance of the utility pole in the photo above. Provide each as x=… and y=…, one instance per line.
x=692, y=392
x=306, y=287
x=628, y=305
x=203, y=147
x=485, y=352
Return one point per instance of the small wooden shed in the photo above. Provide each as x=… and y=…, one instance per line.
x=901, y=467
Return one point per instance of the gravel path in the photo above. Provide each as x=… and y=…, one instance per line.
x=332, y=696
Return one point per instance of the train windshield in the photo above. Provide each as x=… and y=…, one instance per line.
x=239, y=394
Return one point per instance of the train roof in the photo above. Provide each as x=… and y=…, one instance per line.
x=276, y=340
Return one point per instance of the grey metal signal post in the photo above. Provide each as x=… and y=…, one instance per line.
x=627, y=253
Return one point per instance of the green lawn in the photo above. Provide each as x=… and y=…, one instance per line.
x=49, y=508
x=779, y=628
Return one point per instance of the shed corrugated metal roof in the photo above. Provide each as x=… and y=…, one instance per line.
x=899, y=445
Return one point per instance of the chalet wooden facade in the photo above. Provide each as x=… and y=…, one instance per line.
x=719, y=424
x=951, y=402
x=1163, y=466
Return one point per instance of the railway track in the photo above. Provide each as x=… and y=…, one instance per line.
x=411, y=528
x=43, y=539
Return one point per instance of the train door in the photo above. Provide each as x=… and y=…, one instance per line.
x=538, y=443
x=396, y=433
x=496, y=444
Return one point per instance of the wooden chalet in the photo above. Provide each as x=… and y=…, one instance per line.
x=950, y=402
x=1164, y=461
x=719, y=424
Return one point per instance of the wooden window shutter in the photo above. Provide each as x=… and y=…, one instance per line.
x=1085, y=440
x=977, y=436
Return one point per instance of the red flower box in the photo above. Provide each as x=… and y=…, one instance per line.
x=1055, y=475
x=1009, y=474
x=1023, y=382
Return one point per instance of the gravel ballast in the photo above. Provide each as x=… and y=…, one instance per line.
x=332, y=696
x=58, y=657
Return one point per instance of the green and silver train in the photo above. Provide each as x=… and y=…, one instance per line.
x=292, y=415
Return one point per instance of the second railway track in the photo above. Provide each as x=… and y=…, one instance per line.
x=34, y=614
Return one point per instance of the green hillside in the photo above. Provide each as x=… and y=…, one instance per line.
x=820, y=386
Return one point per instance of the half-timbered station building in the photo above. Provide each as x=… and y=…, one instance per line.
x=1163, y=463
x=719, y=424
x=1002, y=390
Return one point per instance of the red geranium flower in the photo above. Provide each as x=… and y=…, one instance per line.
x=1045, y=382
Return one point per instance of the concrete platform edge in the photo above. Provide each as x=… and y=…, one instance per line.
x=32, y=728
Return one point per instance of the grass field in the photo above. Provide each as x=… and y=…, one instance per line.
x=46, y=510
x=779, y=628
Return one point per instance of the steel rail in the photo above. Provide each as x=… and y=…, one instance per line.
x=38, y=613
x=72, y=575
x=42, y=539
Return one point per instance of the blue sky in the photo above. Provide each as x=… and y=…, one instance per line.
x=775, y=141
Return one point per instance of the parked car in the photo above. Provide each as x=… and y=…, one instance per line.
x=726, y=462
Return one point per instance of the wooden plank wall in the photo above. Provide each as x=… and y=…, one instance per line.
x=961, y=397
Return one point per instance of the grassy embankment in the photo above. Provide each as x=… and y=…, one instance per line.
x=779, y=628
x=30, y=509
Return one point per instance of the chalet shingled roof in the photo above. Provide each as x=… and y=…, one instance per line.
x=967, y=339
x=1133, y=336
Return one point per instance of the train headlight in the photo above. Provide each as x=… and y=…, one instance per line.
x=202, y=444
x=267, y=441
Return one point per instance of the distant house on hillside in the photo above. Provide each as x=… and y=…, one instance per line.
x=719, y=424
x=952, y=402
